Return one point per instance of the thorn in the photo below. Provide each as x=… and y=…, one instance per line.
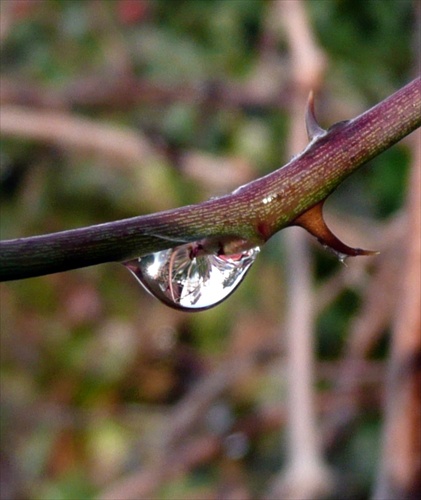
x=314, y=130
x=312, y=220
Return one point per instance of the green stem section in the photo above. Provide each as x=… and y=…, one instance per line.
x=254, y=212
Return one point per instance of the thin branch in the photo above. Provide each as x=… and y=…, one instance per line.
x=305, y=474
x=254, y=212
x=128, y=147
x=400, y=470
x=123, y=91
x=184, y=454
x=64, y=130
x=168, y=461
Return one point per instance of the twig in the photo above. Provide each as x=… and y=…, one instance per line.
x=185, y=454
x=305, y=475
x=400, y=470
x=128, y=147
x=69, y=131
x=123, y=91
x=168, y=461
x=245, y=214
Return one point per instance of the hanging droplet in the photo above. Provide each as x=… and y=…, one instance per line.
x=342, y=257
x=190, y=278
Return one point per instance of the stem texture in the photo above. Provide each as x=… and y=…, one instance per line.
x=254, y=212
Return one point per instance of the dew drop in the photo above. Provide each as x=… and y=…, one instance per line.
x=342, y=257
x=188, y=278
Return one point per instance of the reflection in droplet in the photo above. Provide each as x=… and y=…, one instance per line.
x=187, y=277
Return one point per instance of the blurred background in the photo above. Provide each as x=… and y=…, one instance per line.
x=112, y=109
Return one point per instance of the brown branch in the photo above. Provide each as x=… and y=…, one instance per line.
x=123, y=92
x=185, y=454
x=126, y=146
x=400, y=472
x=67, y=131
x=173, y=457
x=305, y=474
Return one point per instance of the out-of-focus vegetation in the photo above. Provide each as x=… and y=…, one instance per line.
x=90, y=364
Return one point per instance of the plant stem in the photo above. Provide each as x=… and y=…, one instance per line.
x=255, y=212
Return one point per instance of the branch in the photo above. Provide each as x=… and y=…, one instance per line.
x=57, y=128
x=400, y=470
x=305, y=473
x=123, y=145
x=254, y=212
x=123, y=92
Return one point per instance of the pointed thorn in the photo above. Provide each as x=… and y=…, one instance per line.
x=314, y=130
x=312, y=220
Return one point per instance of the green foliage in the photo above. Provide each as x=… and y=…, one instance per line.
x=370, y=45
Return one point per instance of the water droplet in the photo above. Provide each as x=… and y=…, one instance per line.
x=190, y=278
x=342, y=257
